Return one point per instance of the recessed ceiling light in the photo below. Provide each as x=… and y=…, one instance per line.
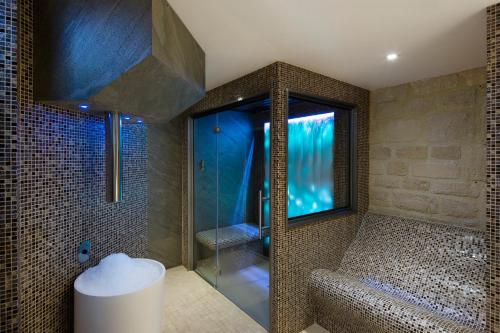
x=240, y=99
x=392, y=56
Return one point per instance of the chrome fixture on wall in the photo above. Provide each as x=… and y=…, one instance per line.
x=114, y=155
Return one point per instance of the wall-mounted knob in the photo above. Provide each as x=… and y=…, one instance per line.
x=84, y=251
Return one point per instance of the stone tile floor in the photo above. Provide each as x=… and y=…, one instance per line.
x=193, y=306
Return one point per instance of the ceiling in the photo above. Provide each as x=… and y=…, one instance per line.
x=347, y=40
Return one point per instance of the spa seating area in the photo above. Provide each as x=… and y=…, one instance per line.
x=404, y=275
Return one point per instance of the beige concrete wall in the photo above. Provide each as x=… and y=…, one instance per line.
x=427, y=149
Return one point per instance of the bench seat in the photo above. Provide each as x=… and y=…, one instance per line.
x=403, y=275
x=358, y=307
x=228, y=236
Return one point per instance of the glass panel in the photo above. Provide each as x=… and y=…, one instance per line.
x=310, y=164
x=311, y=141
x=231, y=194
x=205, y=203
x=244, y=264
x=318, y=158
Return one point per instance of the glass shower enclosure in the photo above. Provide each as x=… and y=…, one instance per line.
x=230, y=203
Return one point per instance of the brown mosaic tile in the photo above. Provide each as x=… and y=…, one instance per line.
x=296, y=251
x=493, y=162
x=404, y=275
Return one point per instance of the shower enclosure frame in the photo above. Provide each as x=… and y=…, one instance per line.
x=278, y=79
x=190, y=178
x=190, y=166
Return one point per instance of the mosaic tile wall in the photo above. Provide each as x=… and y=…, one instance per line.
x=299, y=250
x=8, y=173
x=341, y=163
x=62, y=197
x=493, y=162
x=295, y=251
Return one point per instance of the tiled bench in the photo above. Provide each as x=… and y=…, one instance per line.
x=403, y=275
x=228, y=236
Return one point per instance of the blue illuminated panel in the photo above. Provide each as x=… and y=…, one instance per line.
x=310, y=164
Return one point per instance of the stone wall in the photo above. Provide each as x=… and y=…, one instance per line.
x=427, y=154
x=165, y=188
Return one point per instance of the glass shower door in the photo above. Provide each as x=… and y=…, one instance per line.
x=244, y=266
x=230, y=205
x=206, y=196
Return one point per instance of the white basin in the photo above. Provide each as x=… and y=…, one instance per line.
x=128, y=312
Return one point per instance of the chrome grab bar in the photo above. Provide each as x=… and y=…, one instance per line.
x=261, y=200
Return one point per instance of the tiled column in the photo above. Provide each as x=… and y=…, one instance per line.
x=279, y=199
x=493, y=162
x=8, y=174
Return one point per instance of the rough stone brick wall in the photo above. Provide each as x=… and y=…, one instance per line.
x=427, y=149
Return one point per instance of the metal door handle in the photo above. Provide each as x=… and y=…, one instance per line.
x=261, y=200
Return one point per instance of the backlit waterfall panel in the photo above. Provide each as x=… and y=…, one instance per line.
x=310, y=164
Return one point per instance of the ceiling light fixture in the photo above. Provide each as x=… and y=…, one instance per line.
x=392, y=56
x=240, y=99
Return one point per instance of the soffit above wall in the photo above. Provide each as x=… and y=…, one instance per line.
x=347, y=40
x=129, y=56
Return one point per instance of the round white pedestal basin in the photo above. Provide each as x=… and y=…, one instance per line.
x=133, y=311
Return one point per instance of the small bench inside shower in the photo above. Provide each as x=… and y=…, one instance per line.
x=403, y=275
x=229, y=236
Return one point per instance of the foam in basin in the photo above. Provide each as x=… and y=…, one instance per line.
x=117, y=274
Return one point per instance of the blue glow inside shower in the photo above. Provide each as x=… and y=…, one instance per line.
x=310, y=164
